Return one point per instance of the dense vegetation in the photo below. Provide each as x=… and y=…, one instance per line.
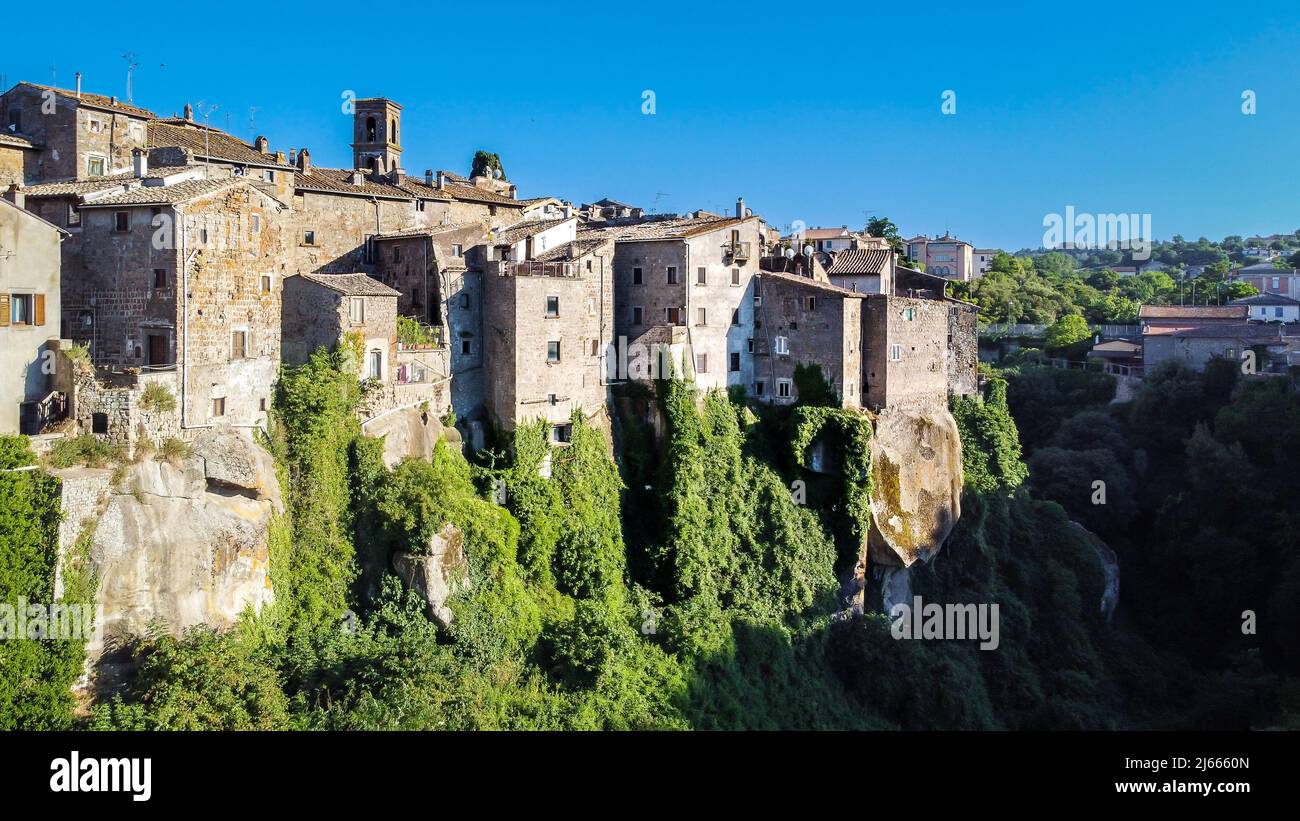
x=694, y=583
x=1044, y=288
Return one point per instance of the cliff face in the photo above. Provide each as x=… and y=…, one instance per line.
x=916, y=484
x=182, y=543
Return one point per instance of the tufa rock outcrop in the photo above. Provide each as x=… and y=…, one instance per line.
x=438, y=574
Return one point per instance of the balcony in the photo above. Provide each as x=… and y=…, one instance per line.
x=739, y=251
x=536, y=269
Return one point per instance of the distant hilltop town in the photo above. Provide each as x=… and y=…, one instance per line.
x=142, y=253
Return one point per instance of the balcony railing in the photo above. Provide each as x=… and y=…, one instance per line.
x=736, y=250
x=537, y=269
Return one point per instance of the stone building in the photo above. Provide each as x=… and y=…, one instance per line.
x=30, y=394
x=549, y=325
x=184, y=279
x=19, y=160
x=688, y=281
x=78, y=135
x=802, y=321
x=906, y=350
x=866, y=271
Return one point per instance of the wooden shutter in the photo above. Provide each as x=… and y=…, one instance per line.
x=39, y=311
x=4, y=309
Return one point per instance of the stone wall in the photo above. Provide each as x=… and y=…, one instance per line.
x=963, y=349
x=917, y=331
x=826, y=333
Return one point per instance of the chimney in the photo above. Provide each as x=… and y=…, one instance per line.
x=442, y=180
x=428, y=177
x=398, y=176
x=568, y=211
x=261, y=144
x=78, y=85
x=189, y=113
x=357, y=176
x=293, y=156
x=140, y=163
x=304, y=161
x=514, y=192
x=740, y=208
x=16, y=196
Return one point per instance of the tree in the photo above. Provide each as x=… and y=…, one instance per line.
x=1066, y=331
x=486, y=162
x=885, y=228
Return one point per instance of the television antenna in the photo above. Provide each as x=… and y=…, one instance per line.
x=130, y=67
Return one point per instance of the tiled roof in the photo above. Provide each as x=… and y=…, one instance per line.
x=675, y=228
x=15, y=140
x=814, y=284
x=352, y=284
x=570, y=251
x=1192, y=312
x=208, y=142
x=96, y=100
x=1247, y=332
x=166, y=194
x=826, y=233
x=67, y=188
x=427, y=231
x=339, y=181
x=860, y=261
x=522, y=230
x=1266, y=299
x=472, y=193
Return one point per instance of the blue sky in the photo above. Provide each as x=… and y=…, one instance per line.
x=821, y=113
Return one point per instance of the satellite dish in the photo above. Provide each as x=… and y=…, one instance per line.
x=807, y=250
x=789, y=253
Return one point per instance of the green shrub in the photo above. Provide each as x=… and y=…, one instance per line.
x=155, y=398
x=85, y=449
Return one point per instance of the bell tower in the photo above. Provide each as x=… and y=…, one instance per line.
x=376, y=135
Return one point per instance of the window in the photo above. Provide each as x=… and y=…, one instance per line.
x=810, y=303
x=357, y=310
x=909, y=314
x=121, y=220
x=783, y=345
x=553, y=351
x=1275, y=282
x=376, y=365
x=735, y=276
x=99, y=423
x=783, y=388
x=1277, y=312
x=701, y=316
x=561, y=433
x=464, y=301
x=895, y=353
x=636, y=276
x=419, y=205
x=219, y=407
x=552, y=306
x=701, y=363
x=466, y=348
x=368, y=249
x=397, y=253
x=95, y=166
x=849, y=392
x=595, y=347
x=552, y=399
x=308, y=237
x=266, y=283
x=256, y=222
x=758, y=292
x=760, y=388
x=672, y=274
x=74, y=215
x=735, y=317
x=23, y=309
x=96, y=126
x=238, y=344
x=457, y=251
x=268, y=174
x=636, y=315
x=673, y=316
x=733, y=362
x=701, y=276
x=160, y=277
x=261, y=404
x=750, y=344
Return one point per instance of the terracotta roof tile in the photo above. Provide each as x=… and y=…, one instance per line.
x=351, y=284
x=96, y=100
x=208, y=142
